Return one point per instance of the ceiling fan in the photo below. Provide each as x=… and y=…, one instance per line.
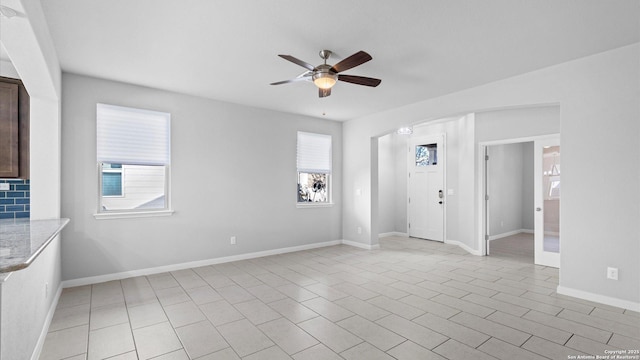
x=324, y=76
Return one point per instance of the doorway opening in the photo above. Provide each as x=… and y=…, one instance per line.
x=522, y=200
x=510, y=201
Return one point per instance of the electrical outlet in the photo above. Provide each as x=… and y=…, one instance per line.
x=233, y=240
x=359, y=230
x=612, y=273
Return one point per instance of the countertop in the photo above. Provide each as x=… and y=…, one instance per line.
x=22, y=240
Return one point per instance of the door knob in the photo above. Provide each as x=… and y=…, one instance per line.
x=538, y=209
x=440, y=202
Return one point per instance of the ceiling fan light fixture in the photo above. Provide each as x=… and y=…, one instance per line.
x=324, y=80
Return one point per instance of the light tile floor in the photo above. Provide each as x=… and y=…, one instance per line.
x=518, y=247
x=412, y=299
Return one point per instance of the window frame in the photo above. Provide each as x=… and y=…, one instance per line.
x=329, y=191
x=167, y=210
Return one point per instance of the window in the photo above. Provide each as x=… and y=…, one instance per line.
x=426, y=155
x=133, y=155
x=314, y=168
x=112, y=180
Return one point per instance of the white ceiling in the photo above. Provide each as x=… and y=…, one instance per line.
x=227, y=49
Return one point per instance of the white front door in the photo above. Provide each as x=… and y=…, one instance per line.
x=547, y=202
x=426, y=188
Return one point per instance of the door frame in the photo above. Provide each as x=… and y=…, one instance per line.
x=442, y=158
x=481, y=189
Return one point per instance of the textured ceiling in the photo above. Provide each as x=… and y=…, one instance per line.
x=227, y=49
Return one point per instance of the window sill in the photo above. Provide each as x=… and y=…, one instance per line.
x=313, y=205
x=132, y=214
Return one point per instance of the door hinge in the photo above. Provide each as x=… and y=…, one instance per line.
x=486, y=197
x=486, y=157
x=486, y=237
x=409, y=225
x=409, y=200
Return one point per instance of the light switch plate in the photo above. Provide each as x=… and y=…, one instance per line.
x=4, y=186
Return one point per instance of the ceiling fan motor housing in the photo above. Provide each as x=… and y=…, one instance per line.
x=323, y=77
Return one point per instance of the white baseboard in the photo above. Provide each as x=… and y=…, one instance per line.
x=464, y=247
x=192, y=264
x=393, y=233
x=603, y=299
x=361, y=245
x=510, y=233
x=47, y=322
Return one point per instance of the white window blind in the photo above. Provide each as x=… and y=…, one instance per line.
x=314, y=153
x=132, y=136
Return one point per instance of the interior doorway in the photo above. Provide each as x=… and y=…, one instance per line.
x=522, y=200
x=425, y=184
x=509, y=199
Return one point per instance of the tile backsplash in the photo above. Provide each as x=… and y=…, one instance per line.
x=14, y=203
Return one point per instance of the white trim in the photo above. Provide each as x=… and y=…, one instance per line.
x=132, y=214
x=393, y=233
x=311, y=205
x=45, y=327
x=464, y=247
x=192, y=264
x=510, y=233
x=603, y=299
x=361, y=245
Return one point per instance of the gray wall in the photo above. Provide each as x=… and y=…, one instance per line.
x=392, y=172
x=387, y=183
x=233, y=172
x=510, y=188
x=598, y=96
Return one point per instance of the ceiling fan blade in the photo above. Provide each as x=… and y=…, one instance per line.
x=298, y=62
x=352, y=61
x=324, y=92
x=301, y=78
x=360, y=80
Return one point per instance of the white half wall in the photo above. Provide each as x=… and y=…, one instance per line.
x=25, y=305
x=233, y=173
x=598, y=98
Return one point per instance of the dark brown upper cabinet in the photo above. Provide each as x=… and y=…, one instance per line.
x=14, y=129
